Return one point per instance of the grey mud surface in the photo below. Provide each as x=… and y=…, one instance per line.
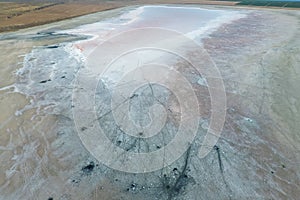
x=257, y=156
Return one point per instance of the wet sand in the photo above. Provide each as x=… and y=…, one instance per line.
x=43, y=157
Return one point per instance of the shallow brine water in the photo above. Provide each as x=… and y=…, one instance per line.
x=193, y=22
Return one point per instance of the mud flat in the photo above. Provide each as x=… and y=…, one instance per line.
x=257, y=156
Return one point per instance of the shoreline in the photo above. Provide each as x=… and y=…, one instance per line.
x=47, y=14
